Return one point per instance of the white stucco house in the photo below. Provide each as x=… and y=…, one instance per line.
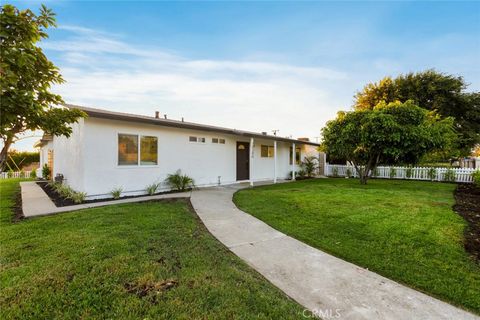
x=109, y=150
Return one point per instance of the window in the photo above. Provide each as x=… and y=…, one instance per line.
x=297, y=155
x=129, y=153
x=196, y=139
x=218, y=140
x=148, y=150
x=267, y=151
x=127, y=149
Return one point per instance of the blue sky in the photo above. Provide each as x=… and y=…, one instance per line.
x=252, y=65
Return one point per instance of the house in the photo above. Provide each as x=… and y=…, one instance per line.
x=110, y=150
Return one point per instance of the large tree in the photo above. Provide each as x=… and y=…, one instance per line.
x=26, y=76
x=431, y=90
x=395, y=132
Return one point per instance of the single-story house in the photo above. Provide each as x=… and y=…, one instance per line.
x=109, y=150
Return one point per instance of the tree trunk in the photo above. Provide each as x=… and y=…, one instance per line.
x=364, y=172
x=4, y=153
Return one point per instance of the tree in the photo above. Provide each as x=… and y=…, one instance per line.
x=434, y=91
x=395, y=132
x=26, y=76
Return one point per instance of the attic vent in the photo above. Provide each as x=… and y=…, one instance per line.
x=157, y=114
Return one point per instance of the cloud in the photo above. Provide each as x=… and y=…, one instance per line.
x=104, y=71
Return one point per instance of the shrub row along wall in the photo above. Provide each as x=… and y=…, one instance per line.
x=410, y=173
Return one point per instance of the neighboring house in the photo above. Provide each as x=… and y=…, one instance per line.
x=108, y=150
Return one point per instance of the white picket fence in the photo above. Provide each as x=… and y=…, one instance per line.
x=416, y=173
x=15, y=174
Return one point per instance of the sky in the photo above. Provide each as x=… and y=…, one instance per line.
x=259, y=66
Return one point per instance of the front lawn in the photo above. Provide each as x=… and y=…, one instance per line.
x=404, y=230
x=135, y=261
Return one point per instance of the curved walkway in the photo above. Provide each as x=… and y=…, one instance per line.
x=322, y=283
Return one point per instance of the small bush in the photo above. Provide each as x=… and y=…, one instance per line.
x=432, y=174
x=179, y=181
x=64, y=190
x=393, y=173
x=309, y=165
x=152, y=188
x=116, y=193
x=335, y=172
x=375, y=172
x=10, y=174
x=78, y=197
x=409, y=172
x=476, y=177
x=33, y=173
x=301, y=174
x=46, y=172
x=348, y=173
x=449, y=175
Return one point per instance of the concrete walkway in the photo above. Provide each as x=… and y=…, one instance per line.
x=322, y=283
x=35, y=202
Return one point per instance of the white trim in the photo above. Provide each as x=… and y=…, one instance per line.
x=275, y=161
x=250, y=162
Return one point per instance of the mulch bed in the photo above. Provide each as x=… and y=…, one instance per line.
x=467, y=204
x=59, y=201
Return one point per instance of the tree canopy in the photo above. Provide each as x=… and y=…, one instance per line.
x=389, y=133
x=433, y=91
x=26, y=76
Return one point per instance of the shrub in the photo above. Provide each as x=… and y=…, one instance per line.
x=449, y=175
x=22, y=159
x=432, y=173
x=179, y=181
x=348, y=173
x=33, y=173
x=78, y=197
x=301, y=174
x=46, y=172
x=393, y=173
x=64, y=190
x=375, y=172
x=409, y=172
x=476, y=177
x=152, y=188
x=116, y=193
x=309, y=165
x=335, y=172
x=10, y=174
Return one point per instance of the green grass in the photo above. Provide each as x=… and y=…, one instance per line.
x=83, y=265
x=404, y=230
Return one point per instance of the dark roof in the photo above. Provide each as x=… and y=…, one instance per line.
x=105, y=114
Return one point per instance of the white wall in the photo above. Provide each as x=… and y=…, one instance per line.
x=68, y=157
x=89, y=159
x=44, y=156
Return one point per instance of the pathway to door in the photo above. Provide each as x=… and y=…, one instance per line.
x=322, y=283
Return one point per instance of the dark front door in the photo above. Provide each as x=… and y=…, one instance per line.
x=243, y=169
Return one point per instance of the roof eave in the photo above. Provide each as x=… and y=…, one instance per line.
x=97, y=113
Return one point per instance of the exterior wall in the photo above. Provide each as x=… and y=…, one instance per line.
x=68, y=157
x=208, y=163
x=44, y=156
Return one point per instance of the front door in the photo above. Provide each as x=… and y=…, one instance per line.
x=243, y=168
